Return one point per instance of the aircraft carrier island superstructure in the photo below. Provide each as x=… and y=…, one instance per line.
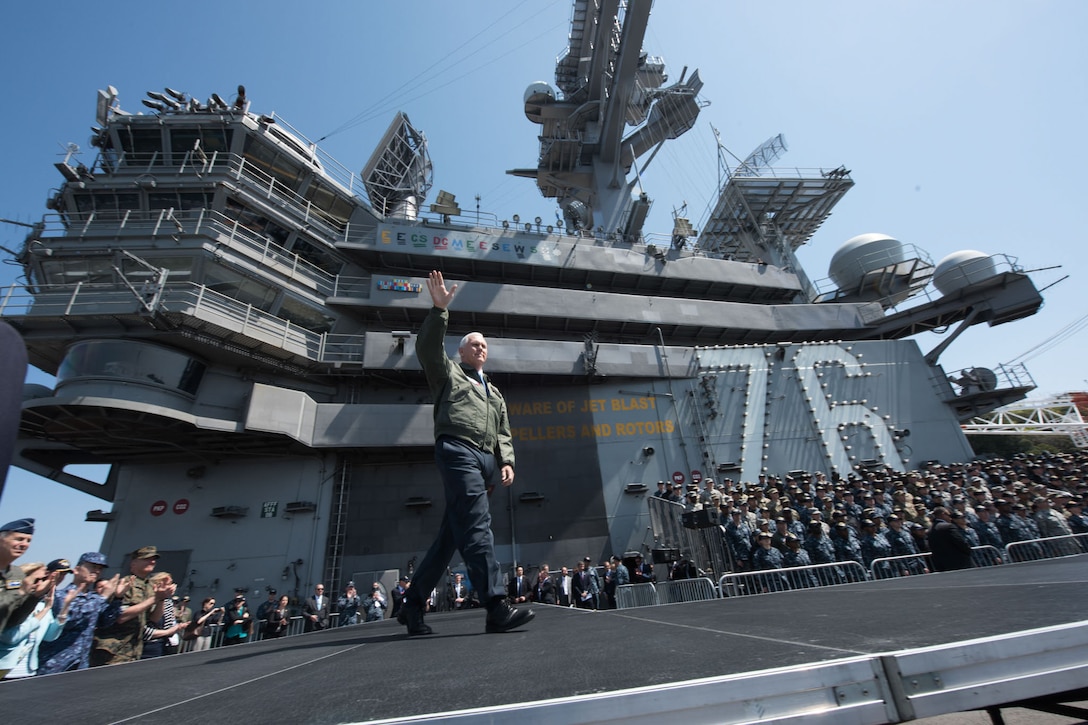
x=230, y=318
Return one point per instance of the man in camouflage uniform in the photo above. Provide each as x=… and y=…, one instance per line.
x=18, y=599
x=848, y=549
x=874, y=546
x=902, y=544
x=123, y=641
x=738, y=537
x=795, y=557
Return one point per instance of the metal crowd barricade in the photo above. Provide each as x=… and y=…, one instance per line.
x=799, y=577
x=986, y=556
x=686, y=590
x=1050, y=547
x=629, y=596
x=893, y=567
x=700, y=589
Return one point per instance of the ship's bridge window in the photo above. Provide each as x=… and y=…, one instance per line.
x=317, y=256
x=181, y=201
x=142, y=146
x=273, y=162
x=245, y=290
x=180, y=268
x=255, y=222
x=304, y=315
x=333, y=207
x=107, y=204
x=132, y=361
x=83, y=269
x=184, y=142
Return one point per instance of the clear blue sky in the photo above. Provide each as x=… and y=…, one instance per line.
x=962, y=124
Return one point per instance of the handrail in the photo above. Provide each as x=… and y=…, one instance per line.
x=1049, y=547
x=218, y=226
x=187, y=298
x=765, y=581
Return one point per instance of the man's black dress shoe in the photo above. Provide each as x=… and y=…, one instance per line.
x=411, y=616
x=502, y=617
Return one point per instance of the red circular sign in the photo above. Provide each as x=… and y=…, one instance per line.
x=158, y=508
x=677, y=477
x=181, y=506
x=696, y=476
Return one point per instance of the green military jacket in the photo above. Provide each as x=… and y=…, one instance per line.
x=15, y=606
x=464, y=406
x=124, y=641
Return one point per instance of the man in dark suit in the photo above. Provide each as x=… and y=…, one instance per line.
x=947, y=544
x=459, y=596
x=315, y=610
x=564, y=588
x=544, y=591
x=519, y=587
x=398, y=595
x=586, y=585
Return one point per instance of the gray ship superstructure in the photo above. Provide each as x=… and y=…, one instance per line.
x=230, y=316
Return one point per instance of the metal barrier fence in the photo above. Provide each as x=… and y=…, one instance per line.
x=296, y=625
x=700, y=589
x=1051, y=547
x=629, y=596
x=686, y=590
x=801, y=577
x=893, y=567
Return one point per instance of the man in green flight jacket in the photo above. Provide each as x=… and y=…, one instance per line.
x=474, y=451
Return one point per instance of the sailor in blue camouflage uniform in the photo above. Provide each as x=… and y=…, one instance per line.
x=902, y=544
x=874, y=546
x=89, y=609
x=769, y=559
x=847, y=549
x=738, y=537
x=1078, y=522
x=820, y=550
x=1014, y=529
x=988, y=535
x=794, y=557
x=882, y=507
x=970, y=535
x=794, y=523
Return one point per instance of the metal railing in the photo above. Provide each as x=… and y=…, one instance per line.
x=171, y=223
x=700, y=589
x=188, y=298
x=1050, y=547
x=296, y=625
x=629, y=596
x=893, y=567
x=739, y=584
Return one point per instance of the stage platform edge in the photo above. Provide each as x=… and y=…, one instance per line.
x=869, y=690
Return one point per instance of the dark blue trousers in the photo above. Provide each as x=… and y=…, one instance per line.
x=467, y=475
